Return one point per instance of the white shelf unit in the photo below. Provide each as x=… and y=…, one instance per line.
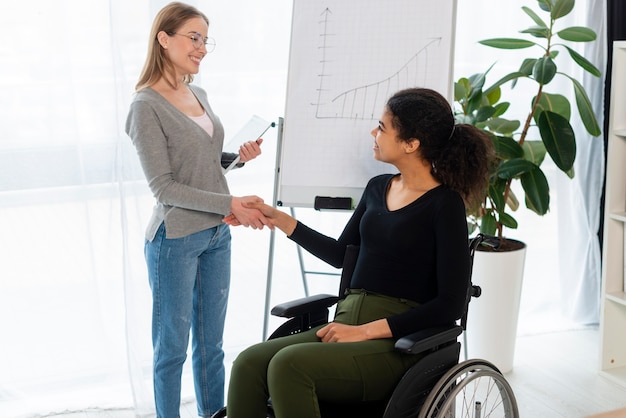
x=613, y=320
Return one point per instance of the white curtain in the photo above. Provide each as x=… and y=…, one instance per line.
x=61, y=289
x=579, y=210
x=74, y=297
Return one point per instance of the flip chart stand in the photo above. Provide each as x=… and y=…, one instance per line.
x=321, y=203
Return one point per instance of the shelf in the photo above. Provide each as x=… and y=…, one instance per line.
x=613, y=320
x=617, y=297
x=618, y=216
x=617, y=375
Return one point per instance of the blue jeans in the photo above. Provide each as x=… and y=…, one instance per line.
x=189, y=278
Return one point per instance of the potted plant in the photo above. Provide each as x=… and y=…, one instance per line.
x=519, y=153
x=520, y=149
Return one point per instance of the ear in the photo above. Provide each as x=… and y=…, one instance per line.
x=163, y=39
x=411, y=145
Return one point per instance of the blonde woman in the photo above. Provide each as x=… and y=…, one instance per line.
x=179, y=142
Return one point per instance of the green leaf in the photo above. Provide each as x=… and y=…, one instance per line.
x=477, y=81
x=507, y=43
x=583, y=62
x=514, y=168
x=557, y=103
x=577, y=34
x=501, y=108
x=488, y=224
x=460, y=92
x=484, y=113
x=464, y=82
x=534, y=151
x=494, y=96
x=561, y=8
x=544, y=70
x=537, y=191
x=545, y=5
x=502, y=126
x=511, y=76
x=537, y=32
x=474, y=102
x=559, y=138
x=496, y=194
x=585, y=109
x=534, y=17
x=527, y=66
x=507, y=148
x=507, y=220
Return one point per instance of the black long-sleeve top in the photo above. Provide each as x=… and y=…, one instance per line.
x=419, y=252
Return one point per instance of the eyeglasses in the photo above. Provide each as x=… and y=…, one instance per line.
x=198, y=41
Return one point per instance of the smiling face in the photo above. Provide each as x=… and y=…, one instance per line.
x=182, y=50
x=387, y=146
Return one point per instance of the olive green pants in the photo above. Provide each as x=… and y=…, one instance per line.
x=297, y=370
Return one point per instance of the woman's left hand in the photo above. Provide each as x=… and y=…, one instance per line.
x=250, y=150
x=341, y=333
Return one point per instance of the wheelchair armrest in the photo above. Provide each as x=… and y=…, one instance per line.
x=428, y=338
x=304, y=305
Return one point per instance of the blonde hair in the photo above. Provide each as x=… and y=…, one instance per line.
x=158, y=65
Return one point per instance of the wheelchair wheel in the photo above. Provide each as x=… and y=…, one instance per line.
x=474, y=388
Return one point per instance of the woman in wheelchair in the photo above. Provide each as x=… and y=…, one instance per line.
x=411, y=273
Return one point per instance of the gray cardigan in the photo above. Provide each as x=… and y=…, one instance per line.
x=181, y=162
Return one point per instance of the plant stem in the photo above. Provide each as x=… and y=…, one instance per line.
x=529, y=118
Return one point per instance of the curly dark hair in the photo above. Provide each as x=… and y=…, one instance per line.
x=460, y=155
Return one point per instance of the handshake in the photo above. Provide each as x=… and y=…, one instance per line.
x=250, y=211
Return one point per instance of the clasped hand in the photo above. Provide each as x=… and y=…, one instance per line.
x=274, y=217
x=241, y=214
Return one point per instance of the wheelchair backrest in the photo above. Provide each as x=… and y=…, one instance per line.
x=349, y=262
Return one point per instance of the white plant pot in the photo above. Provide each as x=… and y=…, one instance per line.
x=492, y=317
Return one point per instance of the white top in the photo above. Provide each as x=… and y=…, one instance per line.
x=205, y=122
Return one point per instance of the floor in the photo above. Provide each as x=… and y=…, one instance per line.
x=547, y=383
x=556, y=375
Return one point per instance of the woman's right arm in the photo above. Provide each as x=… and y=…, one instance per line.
x=144, y=128
x=322, y=246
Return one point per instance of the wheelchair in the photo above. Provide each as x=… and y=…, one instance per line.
x=437, y=386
